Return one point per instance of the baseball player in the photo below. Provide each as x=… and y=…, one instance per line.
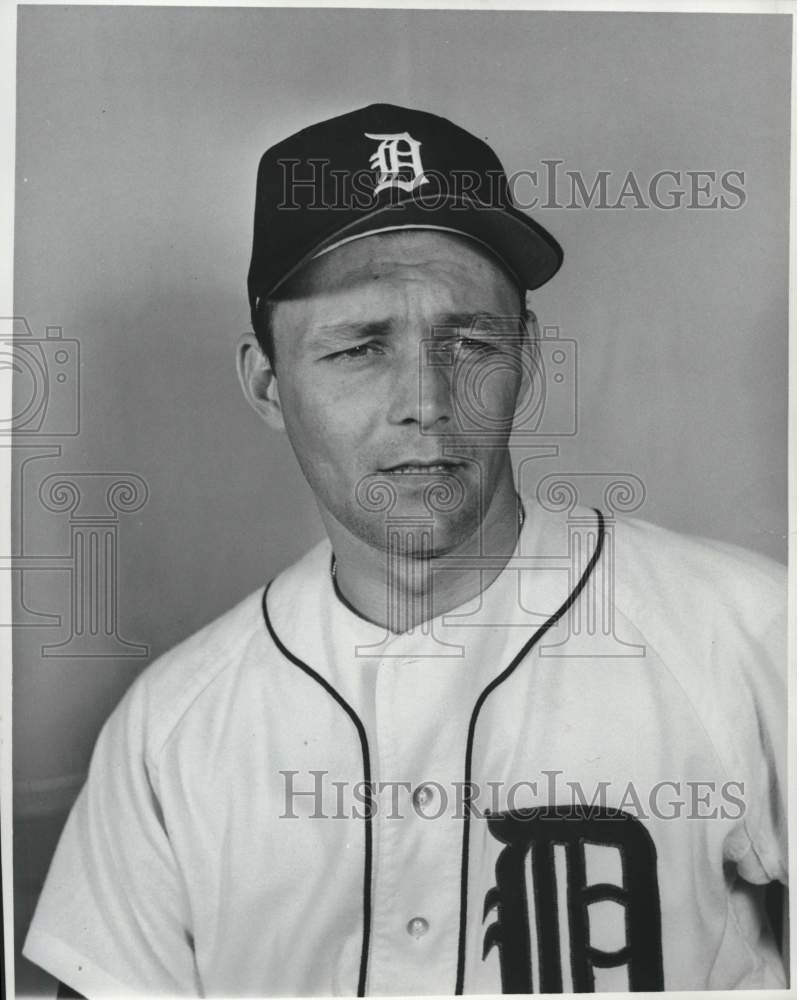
x=472, y=742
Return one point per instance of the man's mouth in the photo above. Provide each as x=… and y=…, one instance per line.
x=414, y=467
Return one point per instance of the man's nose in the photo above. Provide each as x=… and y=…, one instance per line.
x=423, y=389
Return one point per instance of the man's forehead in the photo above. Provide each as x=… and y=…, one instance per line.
x=415, y=262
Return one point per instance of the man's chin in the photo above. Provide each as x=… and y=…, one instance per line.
x=436, y=537
x=423, y=552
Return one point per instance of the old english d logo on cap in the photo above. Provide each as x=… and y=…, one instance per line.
x=385, y=167
x=397, y=155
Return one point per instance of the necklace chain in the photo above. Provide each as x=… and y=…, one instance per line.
x=521, y=520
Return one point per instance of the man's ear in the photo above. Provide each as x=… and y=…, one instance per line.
x=259, y=381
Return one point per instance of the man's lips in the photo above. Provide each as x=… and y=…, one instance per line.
x=417, y=466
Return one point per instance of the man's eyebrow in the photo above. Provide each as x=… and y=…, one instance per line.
x=354, y=329
x=457, y=318
x=359, y=329
x=468, y=320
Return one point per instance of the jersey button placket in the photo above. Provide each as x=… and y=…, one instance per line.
x=402, y=935
x=414, y=940
x=385, y=964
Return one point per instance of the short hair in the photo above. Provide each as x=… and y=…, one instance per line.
x=263, y=326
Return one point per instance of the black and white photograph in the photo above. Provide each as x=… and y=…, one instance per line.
x=397, y=455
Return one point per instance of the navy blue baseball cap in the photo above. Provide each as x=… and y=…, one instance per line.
x=383, y=168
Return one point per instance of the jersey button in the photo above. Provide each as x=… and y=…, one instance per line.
x=422, y=795
x=417, y=927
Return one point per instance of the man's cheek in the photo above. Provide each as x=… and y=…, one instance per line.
x=488, y=406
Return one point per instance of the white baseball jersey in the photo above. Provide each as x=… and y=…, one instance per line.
x=572, y=782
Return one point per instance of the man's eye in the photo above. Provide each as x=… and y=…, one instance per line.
x=469, y=345
x=355, y=353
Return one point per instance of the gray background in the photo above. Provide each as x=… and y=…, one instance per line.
x=138, y=136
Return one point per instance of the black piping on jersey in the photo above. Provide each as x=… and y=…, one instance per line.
x=367, y=786
x=339, y=593
x=523, y=652
x=360, y=728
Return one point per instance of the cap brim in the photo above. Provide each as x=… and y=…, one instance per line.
x=528, y=250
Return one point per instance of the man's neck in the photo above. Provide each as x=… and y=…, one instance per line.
x=401, y=589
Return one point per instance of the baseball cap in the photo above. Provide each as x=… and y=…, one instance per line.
x=382, y=168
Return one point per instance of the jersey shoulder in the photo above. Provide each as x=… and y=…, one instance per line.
x=689, y=578
x=167, y=688
x=216, y=656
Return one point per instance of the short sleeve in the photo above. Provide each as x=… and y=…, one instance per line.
x=113, y=916
x=766, y=859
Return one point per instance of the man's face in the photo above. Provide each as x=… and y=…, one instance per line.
x=398, y=364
